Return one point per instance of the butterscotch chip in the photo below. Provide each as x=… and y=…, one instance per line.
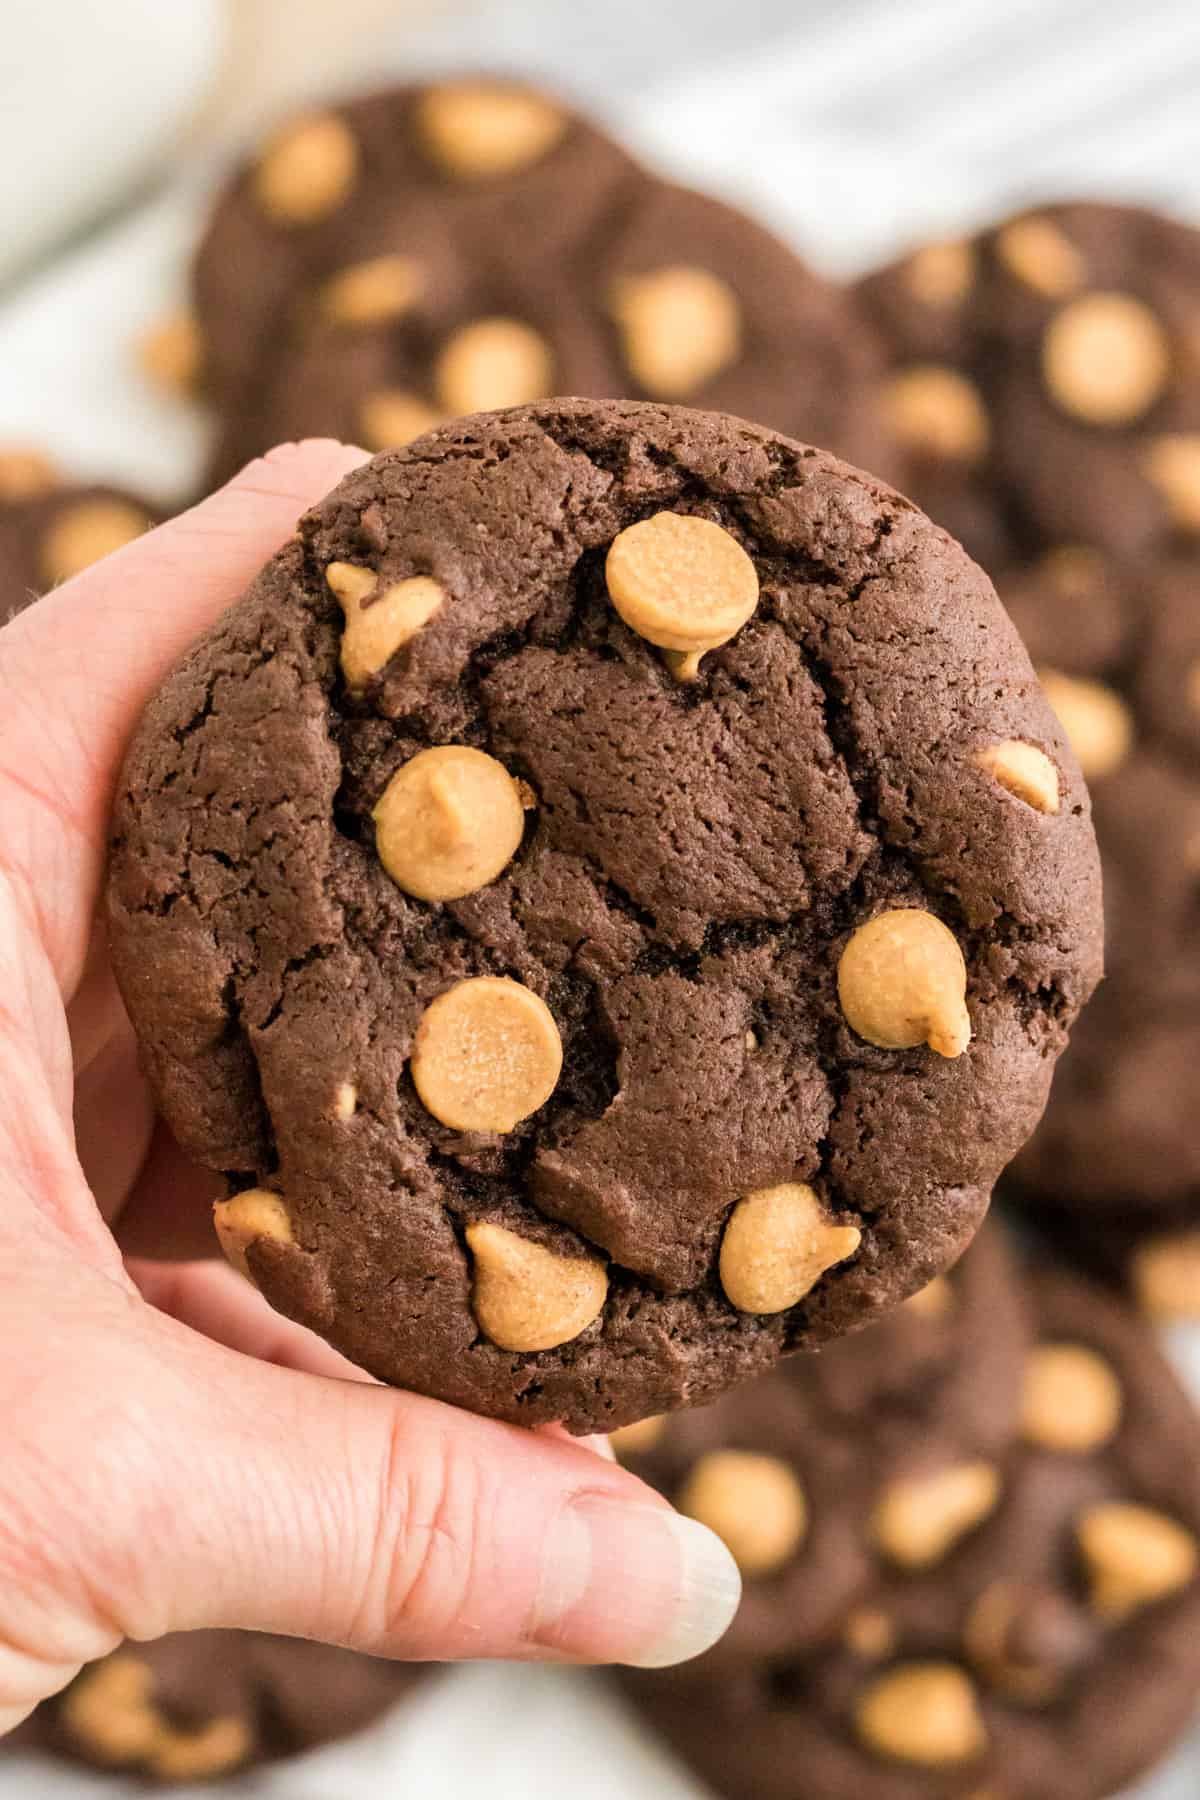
x=526, y=1297
x=902, y=981
x=369, y=292
x=1025, y=1638
x=935, y=411
x=171, y=353
x=253, y=1214
x=635, y=1440
x=390, y=418
x=869, y=1634
x=109, y=1710
x=345, y=1100
x=1105, y=358
x=1098, y=723
x=754, y=1503
x=924, y=1713
x=26, y=474
x=307, y=170
x=1072, y=569
x=679, y=328
x=209, y=1751
x=682, y=583
x=491, y=364
x=479, y=130
x=487, y=1054
x=1071, y=1399
x=934, y=1301
x=449, y=821
x=1172, y=464
x=1166, y=1275
x=377, y=625
x=1024, y=770
x=940, y=274
x=84, y=533
x=1134, y=1556
x=778, y=1243
x=1038, y=253
x=920, y=1518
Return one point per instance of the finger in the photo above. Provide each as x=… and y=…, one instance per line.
x=77, y=669
x=351, y=1513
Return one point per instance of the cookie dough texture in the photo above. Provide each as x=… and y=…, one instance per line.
x=1049, y=1650
x=204, y=1705
x=51, y=529
x=1117, y=1155
x=1045, y=386
x=446, y=263
x=696, y=857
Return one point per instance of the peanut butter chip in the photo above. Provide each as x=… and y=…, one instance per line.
x=753, y=1502
x=941, y=274
x=1024, y=770
x=307, y=170
x=869, y=1634
x=449, y=821
x=1166, y=1276
x=919, y=1519
x=369, y=292
x=934, y=1301
x=203, y=1754
x=924, y=1713
x=84, y=533
x=345, y=1100
x=1024, y=1640
x=635, y=1440
x=679, y=326
x=902, y=981
x=1172, y=465
x=391, y=418
x=1098, y=724
x=26, y=474
x=171, y=353
x=1072, y=569
x=778, y=1243
x=1105, y=358
x=491, y=364
x=480, y=131
x=487, y=1054
x=525, y=1297
x=111, y=1713
x=1042, y=256
x=253, y=1214
x=378, y=624
x=681, y=583
x=1134, y=1556
x=935, y=411
x=1071, y=1399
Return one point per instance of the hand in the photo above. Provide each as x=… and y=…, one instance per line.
x=175, y=1454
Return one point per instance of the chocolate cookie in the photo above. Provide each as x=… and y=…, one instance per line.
x=484, y=248
x=1052, y=1652
x=788, y=1470
x=1119, y=650
x=1046, y=380
x=202, y=1704
x=51, y=529
x=610, y=897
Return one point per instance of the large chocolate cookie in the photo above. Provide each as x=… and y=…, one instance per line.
x=609, y=896
x=1119, y=651
x=1046, y=380
x=1052, y=1651
x=202, y=1704
x=485, y=248
x=789, y=1470
x=51, y=530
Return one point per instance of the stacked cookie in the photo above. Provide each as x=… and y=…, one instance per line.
x=51, y=529
x=975, y=1574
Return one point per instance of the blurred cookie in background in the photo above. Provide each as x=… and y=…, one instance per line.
x=201, y=1705
x=52, y=528
x=1050, y=1650
x=789, y=1470
x=1046, y=380
x=1117, y=1157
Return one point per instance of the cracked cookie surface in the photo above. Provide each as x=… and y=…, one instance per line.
x=511, y=1132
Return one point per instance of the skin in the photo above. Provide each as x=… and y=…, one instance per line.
x=177, y=1456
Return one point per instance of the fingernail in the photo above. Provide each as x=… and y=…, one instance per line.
x=629, y=1583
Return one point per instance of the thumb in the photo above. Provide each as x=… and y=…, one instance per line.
x=351, y=1513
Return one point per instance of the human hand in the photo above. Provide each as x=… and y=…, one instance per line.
x=176, y=1455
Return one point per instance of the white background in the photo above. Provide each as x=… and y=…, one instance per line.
x=855, y=129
